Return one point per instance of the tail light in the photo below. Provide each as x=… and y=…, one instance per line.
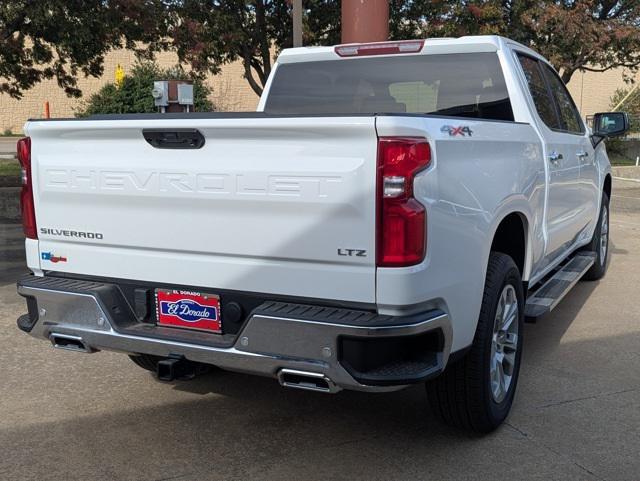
x=26, y=195
x=402, y=229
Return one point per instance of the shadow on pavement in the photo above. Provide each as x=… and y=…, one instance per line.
x=71, y=416
x=12, y=255
x=253, y=429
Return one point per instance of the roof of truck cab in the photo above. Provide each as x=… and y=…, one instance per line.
x=466, y=44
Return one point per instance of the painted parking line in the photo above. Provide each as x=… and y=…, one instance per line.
x=624, y=197
x=637, y=181
x=619, y=223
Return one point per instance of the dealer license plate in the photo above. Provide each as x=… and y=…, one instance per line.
x=188, y=310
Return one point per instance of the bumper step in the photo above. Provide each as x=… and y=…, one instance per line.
x=313, y=347
x=547, y=297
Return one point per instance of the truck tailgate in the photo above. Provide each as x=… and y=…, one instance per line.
x=271, y=205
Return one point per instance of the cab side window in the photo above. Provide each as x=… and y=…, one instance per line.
x=568, y=112
x=539, y=92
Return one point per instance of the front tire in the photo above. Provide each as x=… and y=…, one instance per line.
x=476, y=392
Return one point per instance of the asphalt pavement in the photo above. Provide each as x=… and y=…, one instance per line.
x=69, y=416
x=12, y=257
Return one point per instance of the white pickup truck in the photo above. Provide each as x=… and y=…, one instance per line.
x=390, y=215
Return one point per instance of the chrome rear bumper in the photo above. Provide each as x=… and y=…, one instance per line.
x=267, y=344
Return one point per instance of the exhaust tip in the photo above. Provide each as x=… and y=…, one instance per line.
x=69, y=343
x=308, y=381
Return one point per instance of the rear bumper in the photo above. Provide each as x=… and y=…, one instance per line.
x=352, y=349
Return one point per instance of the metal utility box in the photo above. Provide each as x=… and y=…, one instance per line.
x=160, y=93
x=185, y=94
x=173, y=95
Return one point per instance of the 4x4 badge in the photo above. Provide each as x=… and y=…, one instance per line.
x=461, y=130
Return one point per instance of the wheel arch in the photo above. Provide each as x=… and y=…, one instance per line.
x=511, y=237
x=606, y=186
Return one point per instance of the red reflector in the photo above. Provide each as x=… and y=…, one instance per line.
x=379, y=48
x=401, y=218
x=27, y=208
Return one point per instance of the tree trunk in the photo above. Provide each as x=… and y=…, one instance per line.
x=567, y=74
x=263, y=40
x=248, y=73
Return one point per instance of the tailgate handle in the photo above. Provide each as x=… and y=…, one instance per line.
x=174, y=138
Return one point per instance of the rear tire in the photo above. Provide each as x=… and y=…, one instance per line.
x=469, y=393
x=599, y=244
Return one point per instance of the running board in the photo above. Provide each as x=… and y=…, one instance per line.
x=552, y=291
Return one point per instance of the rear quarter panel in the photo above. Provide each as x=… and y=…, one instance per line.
x=472, y=183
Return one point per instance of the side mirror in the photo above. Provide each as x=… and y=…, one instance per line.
x=610, y=124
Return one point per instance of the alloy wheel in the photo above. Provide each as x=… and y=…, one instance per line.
x=504, y=343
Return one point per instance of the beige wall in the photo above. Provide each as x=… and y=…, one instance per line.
x=592, y=91
x=231, y=92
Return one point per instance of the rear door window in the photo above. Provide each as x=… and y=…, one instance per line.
x=459, y=85
x=567, y=109
x=540, y=93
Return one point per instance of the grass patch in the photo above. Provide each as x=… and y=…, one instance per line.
x=621, y=160
x=9, y=168
x=8, y=133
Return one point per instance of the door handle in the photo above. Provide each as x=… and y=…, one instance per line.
x=555, y=158
x=581, y=154
x=174, y=138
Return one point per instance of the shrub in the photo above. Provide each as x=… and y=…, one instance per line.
x=630, y=105
x=134, y=95
x=625, y=150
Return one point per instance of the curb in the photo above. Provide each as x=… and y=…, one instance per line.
x=627, y=172
x=624, y=179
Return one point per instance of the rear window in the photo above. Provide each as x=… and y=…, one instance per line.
x=459, y=85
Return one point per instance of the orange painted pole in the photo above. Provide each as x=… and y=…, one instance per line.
x=47, y=110
x=365, y=21
x=297, y=23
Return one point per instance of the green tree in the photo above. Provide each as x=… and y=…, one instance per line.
x=62, y=39
x=632, y=102
x=134, y=95
x=208, y=34
x=573, y=34
x=593, y=35
x=631, y=105
x=624, y=151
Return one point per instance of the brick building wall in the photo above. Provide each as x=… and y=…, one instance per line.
x=592, y=91
x=231, y=92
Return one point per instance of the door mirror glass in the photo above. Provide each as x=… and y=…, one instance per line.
x=610, y=124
